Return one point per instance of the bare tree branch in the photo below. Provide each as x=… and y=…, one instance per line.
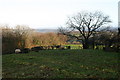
x=86, y=23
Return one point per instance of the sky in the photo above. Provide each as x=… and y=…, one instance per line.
x=51, y=14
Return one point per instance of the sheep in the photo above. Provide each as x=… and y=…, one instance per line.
x=25, y=50
x=17, y=50
x=36, y=49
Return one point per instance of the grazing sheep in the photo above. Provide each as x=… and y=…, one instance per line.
x=36, y=49
x=68, y=47
x=17, y=50
x=57, y=46
x=25, y=50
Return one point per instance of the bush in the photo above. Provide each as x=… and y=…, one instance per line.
x=110, y=49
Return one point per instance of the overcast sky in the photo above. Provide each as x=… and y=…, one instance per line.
x=44, y=14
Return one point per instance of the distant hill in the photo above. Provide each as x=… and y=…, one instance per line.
x=46, y=30
x=55, y=30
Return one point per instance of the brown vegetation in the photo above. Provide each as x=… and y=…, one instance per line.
x=23, y=37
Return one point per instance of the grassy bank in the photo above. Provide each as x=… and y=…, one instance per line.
x=61, y=64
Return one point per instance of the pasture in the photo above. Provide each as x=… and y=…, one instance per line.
x=61, y=64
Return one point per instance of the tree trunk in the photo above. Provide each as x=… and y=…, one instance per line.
x=85, y=44
x=93, y=42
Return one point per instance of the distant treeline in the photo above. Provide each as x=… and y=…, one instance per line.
x=22, y=37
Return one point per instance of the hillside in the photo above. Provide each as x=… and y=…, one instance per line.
x=61, y=64
x=46, y=30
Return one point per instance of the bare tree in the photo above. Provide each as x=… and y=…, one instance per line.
x=22, y=34
x=86, y=23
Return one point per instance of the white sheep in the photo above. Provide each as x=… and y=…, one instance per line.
x=17, y=50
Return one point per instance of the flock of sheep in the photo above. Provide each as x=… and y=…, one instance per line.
x=38, y=48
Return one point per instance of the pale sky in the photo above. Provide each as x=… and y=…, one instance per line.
x=46, y=14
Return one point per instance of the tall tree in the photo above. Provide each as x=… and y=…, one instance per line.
x=22, y=34
x=86, y=23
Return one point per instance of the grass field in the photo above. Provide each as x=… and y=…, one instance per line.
x=61, y=64
x=75, y=46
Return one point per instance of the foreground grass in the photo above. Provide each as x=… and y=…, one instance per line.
x=61, y=64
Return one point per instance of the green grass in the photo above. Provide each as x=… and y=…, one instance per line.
x=61, y=64
x=75, y=46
